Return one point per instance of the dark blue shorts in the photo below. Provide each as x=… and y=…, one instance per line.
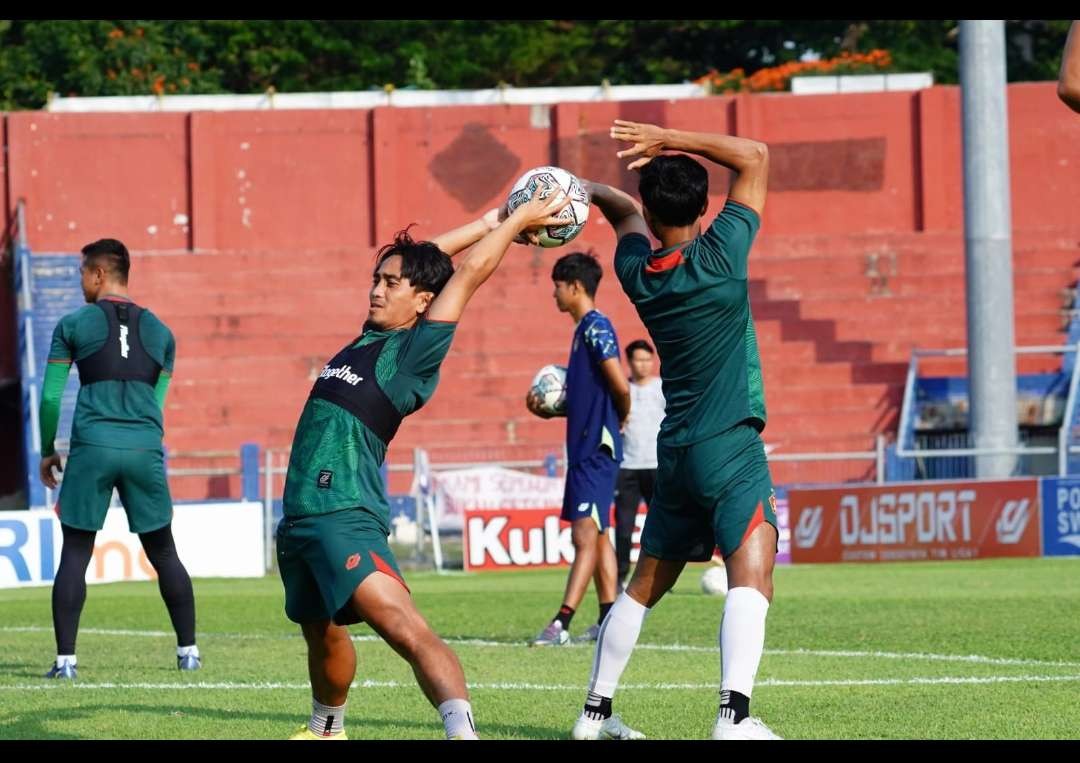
x=590, y=489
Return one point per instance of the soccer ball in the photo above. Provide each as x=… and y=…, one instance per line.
x=550, y=384
x=575, y=213
x=714, y=581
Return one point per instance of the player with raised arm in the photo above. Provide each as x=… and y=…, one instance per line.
x=333, y=555
x=713, y=487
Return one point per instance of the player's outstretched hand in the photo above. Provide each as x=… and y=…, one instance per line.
x=495, y=217
x=648, y=141
x=46, y=468
x=542, y=209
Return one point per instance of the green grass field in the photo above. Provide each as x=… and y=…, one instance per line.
x=984, y=649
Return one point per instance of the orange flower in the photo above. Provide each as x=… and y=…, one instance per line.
x=779, y=77
x=116, y=33
x=159, y=84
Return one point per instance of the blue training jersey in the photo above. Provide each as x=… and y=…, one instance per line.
x=591, y=420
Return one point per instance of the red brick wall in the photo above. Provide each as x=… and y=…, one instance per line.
x=253, y=235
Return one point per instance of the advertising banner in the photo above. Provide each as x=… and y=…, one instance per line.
x=212, y=540
x=915, y=521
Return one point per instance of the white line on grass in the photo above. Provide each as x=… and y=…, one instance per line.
x=929, y=656
x=94, y=631
x=508, y=686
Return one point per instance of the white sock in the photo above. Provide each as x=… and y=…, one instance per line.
x=742, y=638
x=457, y=718
x=618, y=635
x=62, y=658
x=183, y=651
x=326, y=720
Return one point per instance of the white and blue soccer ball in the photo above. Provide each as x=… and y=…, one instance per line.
x=550, y=385
x=714, y=581
x=575, y=213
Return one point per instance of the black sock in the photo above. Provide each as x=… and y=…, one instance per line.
x=603, y=611
x=566, y=614
x=734, y=706
x=597, y=708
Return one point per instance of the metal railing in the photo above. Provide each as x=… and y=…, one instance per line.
x=1066, y=422
x=261, y=481
x=828, y=466
x=906, y=433
x=274, y=464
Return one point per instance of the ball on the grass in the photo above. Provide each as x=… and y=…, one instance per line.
x=714, y=581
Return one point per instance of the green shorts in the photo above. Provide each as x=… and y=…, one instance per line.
x=323, y=558
x=91, y=473
x=710, y=494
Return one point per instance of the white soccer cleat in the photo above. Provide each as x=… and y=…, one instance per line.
x=747, y=728
x=553, y=635
x=609, y=728
x=592, y=633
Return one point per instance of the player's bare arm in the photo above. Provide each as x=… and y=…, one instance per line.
x=480, y=262
x=618, y=207
x=456, y=241
x=748, y=159
x=461, y=238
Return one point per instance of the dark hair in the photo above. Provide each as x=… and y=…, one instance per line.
x=112, y=255
x=674, y=188
x=638, y=344
x=581, y=267
x=426, y=266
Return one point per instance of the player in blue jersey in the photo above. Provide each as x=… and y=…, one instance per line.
x=597, y=406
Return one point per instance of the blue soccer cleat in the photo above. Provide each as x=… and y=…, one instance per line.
x=67, y=670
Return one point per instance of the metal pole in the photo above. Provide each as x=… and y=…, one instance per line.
x=268, y=509
x=988, y=245
x=420, y=482
x=20, y=216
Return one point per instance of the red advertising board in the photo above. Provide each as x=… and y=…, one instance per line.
x=915, y=521
x=515, y=538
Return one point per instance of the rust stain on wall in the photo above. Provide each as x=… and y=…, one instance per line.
x=831, y=165
x=474, y=167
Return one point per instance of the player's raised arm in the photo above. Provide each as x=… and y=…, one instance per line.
x=1069, y=77
x=618, y=207
x=459, y=239
x=481, y=261
x=748, y=159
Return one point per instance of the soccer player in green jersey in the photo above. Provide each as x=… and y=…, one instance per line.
x=125, y=356
x=713, y=487
x=333, y=536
